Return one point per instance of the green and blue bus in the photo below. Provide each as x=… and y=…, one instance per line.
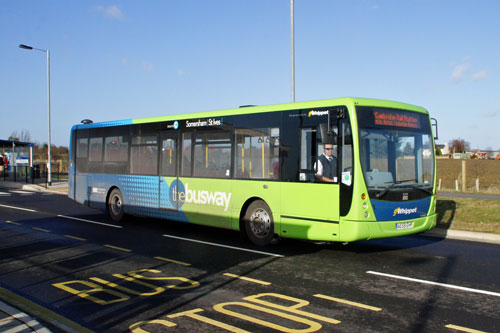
x=254, y=169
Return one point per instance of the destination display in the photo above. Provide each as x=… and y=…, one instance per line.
x=396, y=119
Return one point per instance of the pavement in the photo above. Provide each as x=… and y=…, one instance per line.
x=57, y=186
x=14, y=320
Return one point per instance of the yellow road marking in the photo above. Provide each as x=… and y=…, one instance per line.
x=247, y=279
x=10, y=222
x=312, y=326
x=193, y=314
x=77, y=238
x=40, y=229
x=118, y=248
x=339, y=300
x=300, y=303
x=173, y=261
x=463, y=329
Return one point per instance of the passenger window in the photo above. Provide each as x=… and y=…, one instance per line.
x=115, y=149
x=186, y=155
x=144, y=155
x=95, y=153
x=168, y=153
x=82, y=148
x=212, y=155
x=257, y=153
x=308, y=148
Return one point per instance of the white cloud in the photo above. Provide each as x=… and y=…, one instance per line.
x=111, y=11
x=459, y=72
x=480, y=75
x=147, y=66
x=491, y=114
x=180, y=73
x=125, y=61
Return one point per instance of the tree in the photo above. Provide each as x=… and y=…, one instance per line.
x=459, y=145
x=408, y=149
x=23, y=136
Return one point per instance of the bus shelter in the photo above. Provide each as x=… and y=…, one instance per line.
x=15, y=155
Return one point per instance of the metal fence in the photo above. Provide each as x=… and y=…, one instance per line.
x=38, y=174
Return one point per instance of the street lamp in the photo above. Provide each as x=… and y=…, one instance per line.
x=22, y=46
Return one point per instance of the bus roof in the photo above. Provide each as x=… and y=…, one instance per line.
x=348, y=101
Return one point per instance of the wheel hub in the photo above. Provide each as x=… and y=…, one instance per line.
x=116, y=205
x=260, y=222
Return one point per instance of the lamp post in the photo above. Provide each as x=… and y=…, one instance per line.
x=22, y=46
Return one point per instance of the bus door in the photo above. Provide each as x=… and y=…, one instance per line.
x=169, y=170
x=310, y=203
x=82, y=181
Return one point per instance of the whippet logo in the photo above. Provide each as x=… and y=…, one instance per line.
x=317, y=113
x=404, y=211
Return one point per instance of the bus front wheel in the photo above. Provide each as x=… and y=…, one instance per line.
x=259, y=225
x=115, y=205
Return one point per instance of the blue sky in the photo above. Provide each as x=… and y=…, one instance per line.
x=115, y=60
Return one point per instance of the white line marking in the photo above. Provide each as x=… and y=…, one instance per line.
x=89, y=221
x=19, y=208
x=21, y=192
x=451, y=286
x=226, y=246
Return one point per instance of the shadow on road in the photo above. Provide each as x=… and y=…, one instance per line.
x=445, y=210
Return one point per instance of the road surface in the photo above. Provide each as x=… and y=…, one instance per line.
x=158, y=276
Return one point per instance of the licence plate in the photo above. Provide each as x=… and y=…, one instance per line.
x=404, y=225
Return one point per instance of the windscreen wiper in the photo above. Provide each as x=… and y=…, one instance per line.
x=390, y=187
x=384, y=191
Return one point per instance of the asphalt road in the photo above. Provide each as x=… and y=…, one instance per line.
x=479, y=196
x=155, y=276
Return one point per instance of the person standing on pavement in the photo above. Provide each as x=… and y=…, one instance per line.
x=5, y=162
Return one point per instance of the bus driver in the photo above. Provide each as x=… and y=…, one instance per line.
x=326, y=169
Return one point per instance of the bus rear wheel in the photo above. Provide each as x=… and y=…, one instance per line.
x=115, y=205
x=259, y=224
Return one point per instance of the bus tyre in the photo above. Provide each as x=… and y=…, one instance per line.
x=259, y=225
x=115, y=205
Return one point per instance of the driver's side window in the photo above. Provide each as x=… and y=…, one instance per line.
x=315, y=142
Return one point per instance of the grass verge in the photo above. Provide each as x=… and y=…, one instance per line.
x=468, y=214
